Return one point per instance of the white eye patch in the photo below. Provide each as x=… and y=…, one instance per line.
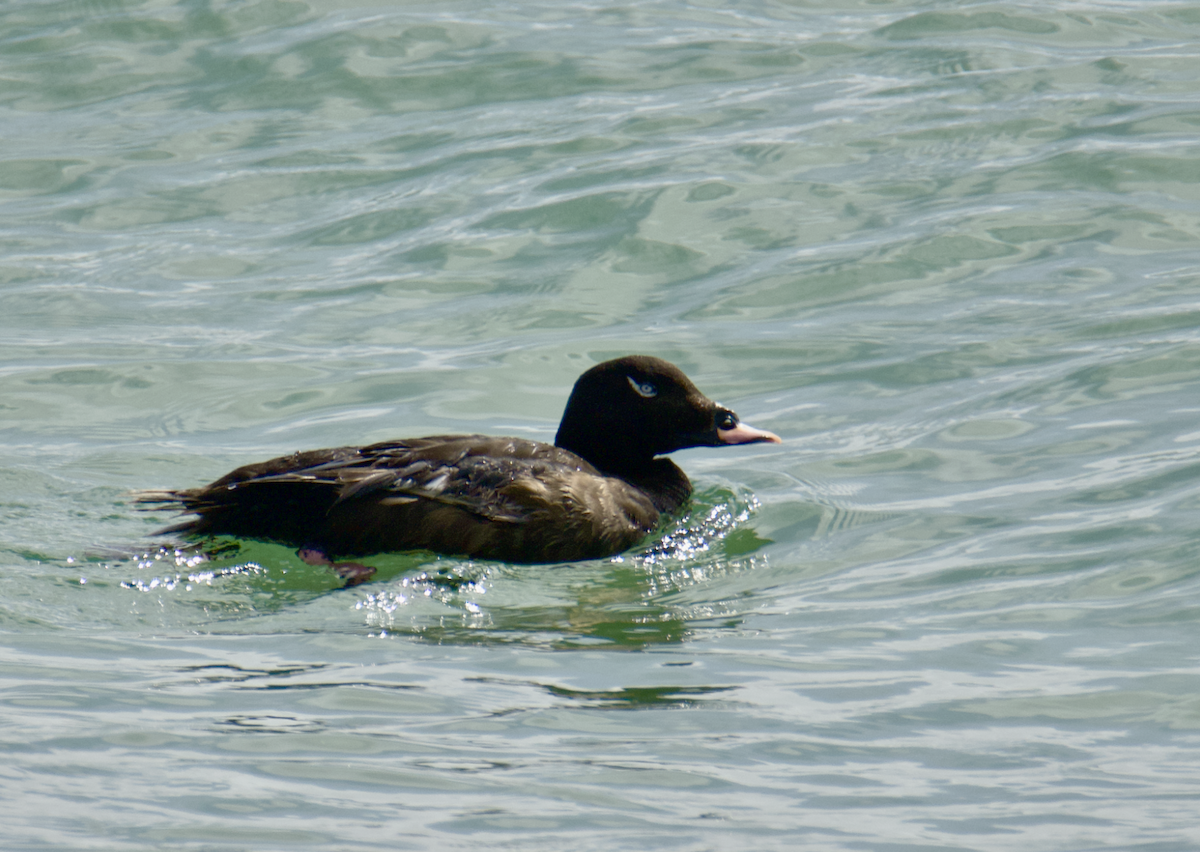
x=643, y=389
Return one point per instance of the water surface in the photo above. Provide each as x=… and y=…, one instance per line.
x=950, y=252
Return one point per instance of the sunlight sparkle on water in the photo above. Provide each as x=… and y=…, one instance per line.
x=181, y=559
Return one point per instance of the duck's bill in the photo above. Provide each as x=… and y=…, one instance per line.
x=743, y=433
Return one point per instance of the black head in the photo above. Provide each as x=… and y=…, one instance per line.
x=623, y=413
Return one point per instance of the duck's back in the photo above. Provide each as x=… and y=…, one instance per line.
x=494, y=498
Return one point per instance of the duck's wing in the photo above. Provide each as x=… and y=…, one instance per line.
x=488, y=477
x=500, y=479
x=478, y=485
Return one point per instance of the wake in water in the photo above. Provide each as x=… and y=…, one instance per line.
x=624, y=599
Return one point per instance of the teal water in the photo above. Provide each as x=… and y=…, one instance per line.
x=949, y=251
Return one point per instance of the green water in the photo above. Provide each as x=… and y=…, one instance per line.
x=950, y=252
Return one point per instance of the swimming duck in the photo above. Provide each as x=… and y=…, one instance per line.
x=596, y=491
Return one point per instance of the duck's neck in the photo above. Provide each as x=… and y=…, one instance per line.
x=667, y=485
x=660, y=478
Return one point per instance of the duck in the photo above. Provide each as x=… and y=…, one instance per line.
x=603, y=485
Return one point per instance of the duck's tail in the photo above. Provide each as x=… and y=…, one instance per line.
x=146, y=500
x=158, y=501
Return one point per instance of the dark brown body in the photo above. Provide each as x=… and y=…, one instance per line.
x=493, y=498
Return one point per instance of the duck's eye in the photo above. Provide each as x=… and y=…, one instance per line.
x=644, y=389
x=726, y=420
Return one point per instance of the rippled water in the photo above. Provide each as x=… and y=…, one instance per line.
x=949, y=251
